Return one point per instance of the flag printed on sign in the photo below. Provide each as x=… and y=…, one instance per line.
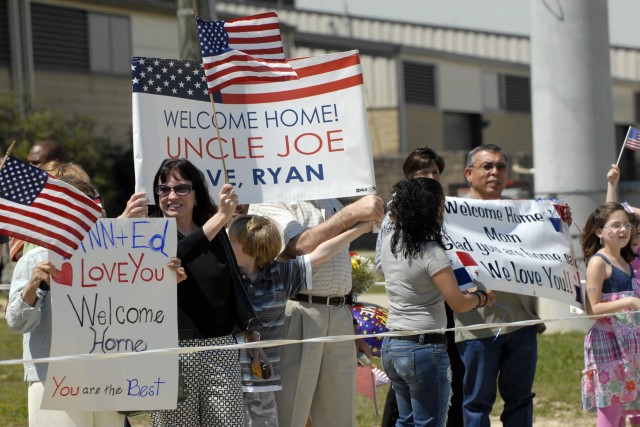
x=243, y=50
x=185, y=79
x=169, y=77
x=318, y=75
x=37, y=208
x=465, y=268
x=633, y=139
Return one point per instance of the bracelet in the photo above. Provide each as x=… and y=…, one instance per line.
x=486, y=297
x=252, y=334
x=479, y=299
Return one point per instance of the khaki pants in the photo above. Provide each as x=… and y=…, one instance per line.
x=318, y=380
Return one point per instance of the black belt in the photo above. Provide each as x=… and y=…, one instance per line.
x=312, y=299
x=424, y=338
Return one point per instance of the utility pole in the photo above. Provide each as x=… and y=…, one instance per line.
x=187, y=32
x=573, y=128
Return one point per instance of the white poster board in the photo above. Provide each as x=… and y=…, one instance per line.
x=115, y=295
x=302, y=139
x=518, y=246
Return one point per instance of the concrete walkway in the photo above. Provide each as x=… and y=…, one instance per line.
x=377, y=298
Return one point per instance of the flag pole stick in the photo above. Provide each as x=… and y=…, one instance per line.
x=623, y=144
x=215, y=117
x=6, y=156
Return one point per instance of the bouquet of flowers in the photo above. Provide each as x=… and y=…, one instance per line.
x=363, y=273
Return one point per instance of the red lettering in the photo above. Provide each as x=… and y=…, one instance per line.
x=122, y=275
x=253, y=147
x=137, y=265
x=330, y=140
x=83, y=284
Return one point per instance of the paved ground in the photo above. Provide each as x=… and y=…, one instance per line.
x=378, y=299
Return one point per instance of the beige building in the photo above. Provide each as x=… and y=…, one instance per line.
x=447, y=88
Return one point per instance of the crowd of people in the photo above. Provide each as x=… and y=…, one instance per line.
x=282, y=271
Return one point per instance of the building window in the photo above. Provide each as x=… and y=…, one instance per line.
x=109, y=44
x=462, y=131
x=637, y=106
x=5, y=53
x=59, y=38
x=76, y=40
x=419, y=83
x=515, y=94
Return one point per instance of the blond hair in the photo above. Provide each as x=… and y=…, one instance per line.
x=259, y=236
x=67, y=169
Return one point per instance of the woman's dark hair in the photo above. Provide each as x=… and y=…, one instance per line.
x=591, y=242
x=204, y=208
x=419, y=160
x=417, y=207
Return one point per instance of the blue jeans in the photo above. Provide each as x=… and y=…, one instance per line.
x=511, y=360
x=421, y=379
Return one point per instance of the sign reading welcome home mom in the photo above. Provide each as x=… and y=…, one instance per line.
x=115, y=295
x=518, y=246
x=281, y=141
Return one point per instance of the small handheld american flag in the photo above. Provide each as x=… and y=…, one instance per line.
x=37, y=208
x=241, y=50
x=633, y=139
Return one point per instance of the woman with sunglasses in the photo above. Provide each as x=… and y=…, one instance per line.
x=207, y=299
x=418, y=278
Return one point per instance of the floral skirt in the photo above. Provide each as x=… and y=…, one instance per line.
x=612, y=361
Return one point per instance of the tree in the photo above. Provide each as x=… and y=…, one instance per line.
x=101, y=159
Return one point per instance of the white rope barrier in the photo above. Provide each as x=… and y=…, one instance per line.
x=273, y=343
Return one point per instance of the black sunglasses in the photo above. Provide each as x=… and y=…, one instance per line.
x=180, y=190
x=489, y=166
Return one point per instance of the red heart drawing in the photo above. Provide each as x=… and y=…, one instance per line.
x=65, y=275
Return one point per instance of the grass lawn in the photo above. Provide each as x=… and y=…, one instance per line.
x=13, y=390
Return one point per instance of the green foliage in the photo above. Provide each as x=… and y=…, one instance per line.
x=13, y=389
x=29, y=124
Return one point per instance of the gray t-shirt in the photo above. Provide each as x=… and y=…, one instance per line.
x=414, y=301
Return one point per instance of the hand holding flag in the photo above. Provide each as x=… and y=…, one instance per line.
x=37, y=208
x=240, y=50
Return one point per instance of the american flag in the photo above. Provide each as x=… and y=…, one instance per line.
x=185, y=79
x=633, y=139
x=241, y=50
x=37, y=208
x=380, y=376
x=15, y=249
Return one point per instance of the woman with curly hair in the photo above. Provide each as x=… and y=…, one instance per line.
x=418, y=277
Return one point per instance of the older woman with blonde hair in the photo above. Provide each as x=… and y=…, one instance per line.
x=29, y=312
